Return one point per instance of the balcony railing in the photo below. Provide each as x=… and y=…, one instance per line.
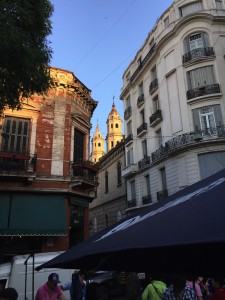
x=188, y=138
x=155, y=118
x=142, y=129
x=144, y=162
x=140, y=100
x=129, y=139
x=129, y=171
x=127, y=112
x=161, y=195
x=203, y=90
x=198, y=53
x=85, y=171
x=153, y=86
x=146, y=199
x=17, y=164
x=131, y=203
x=144, y=61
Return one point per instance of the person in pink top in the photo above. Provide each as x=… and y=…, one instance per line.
x=50, y=290
x=196, y=287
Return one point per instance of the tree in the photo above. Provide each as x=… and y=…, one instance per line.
x=25, y=53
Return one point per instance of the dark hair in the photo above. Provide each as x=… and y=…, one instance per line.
x=9, y=294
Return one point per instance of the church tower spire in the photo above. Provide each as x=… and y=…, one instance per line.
x=97, y=145
x=114, y=128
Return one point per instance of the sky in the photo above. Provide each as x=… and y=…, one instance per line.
x=97, y=40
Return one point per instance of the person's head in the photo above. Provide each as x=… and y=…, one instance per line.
x=53, y=280
x=8, y=294
x=179, y=282
x=217, y=282
x=81, y=274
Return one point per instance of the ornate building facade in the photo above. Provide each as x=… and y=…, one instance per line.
x=174, y=103
x=46, y=179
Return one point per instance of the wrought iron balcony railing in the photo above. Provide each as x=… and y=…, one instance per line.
x=161, y=195
x=129, y=139
x=203, y=90
x=155, y=118
x=127, y=112
x=146, y=199
x=144, y=162
x=131, y=203
x=140, y=100
x=188, y=138
x=85, y=171
x=198, y=53
x=142, y=129
x=20, y=163
x=153, y=86
x=144, y=61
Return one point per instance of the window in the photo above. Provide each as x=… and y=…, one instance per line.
x=211, y=163
x=139, y=61
x=112, y=145
x=196, y=41
x=191, y=8
x=219, y=4
x=147, y=184
x=159, y=137
x=163, y=178
x=106, y=182
x=140, y=89
x=119, y=174
x=78, y=145
x=16, y=135
x=207, y=117
x=144, y=148
x=200, y=77
x=166, y=22
x=142, y=116
x=99, y=144
x=128, y=102
x=128, y=78
x=133, y=190
x=117, y=125
x=155, y=104
x=129, y=128
x=130, y=159
x=153, y=73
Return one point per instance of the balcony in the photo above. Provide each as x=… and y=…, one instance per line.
x=131, y=203
x=17, y=165
x=143, y=63
x=129, y=171
x=144, y=162
x=187, y=139
x=155, y=118
x=203, y=91
x=197, y=54
x=146, y=199
x=84, y=174
x=141, y=130
x=153, y=86
x=127, y=112
x=129, y=139
x=140, y=100
x=161, y=195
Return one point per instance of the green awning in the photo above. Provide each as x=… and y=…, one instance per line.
x=32, y=214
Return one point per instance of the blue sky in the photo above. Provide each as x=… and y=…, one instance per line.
x=97, y=39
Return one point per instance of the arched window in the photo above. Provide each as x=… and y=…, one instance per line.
x=117, y=125
x=99, y=144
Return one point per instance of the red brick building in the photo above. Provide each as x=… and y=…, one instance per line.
x=46, y=178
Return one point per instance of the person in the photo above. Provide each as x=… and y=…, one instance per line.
x=154, y=290
x=133, y=287
x=50, y=290
x=8, y=294
x=219, y=292
x=77, y=286
x=192, y=283
x=178, y=290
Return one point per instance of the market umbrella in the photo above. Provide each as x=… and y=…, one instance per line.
x=183, y=234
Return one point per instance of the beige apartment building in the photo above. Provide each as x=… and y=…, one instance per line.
x=174, y=103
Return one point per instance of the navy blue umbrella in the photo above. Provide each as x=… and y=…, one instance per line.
x=183, y=234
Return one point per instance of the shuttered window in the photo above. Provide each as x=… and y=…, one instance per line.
x=78, y=145
x=211, y=163
x=200, y=77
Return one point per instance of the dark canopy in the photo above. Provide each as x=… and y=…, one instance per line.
x=183, y=234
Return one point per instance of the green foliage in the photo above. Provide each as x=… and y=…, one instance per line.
x=25, y=53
